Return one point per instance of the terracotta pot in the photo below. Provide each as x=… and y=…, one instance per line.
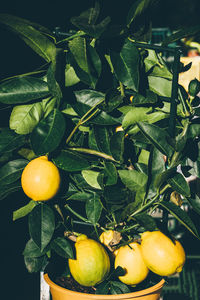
x=60, y=293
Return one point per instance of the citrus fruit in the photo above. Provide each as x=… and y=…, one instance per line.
x=92, y=263
x=162, y=255
x=129, y=257
x=40, y=179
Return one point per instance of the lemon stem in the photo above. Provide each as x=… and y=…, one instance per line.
x=94, y=152
x=87, y=116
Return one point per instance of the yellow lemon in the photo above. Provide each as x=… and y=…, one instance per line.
x=40, y=179
x=92, y=263
x=162, y=255
x=129, y=257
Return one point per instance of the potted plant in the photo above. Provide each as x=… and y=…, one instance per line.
x=89, y=143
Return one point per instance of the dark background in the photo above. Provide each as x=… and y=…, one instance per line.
x=17, y=58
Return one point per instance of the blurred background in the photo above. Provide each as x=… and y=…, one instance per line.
x=170, y=14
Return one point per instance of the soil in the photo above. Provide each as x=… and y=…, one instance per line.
x=70, y=284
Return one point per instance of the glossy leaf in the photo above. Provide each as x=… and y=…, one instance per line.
x=53, y=85
x=9, y=189
x=131, y=208
x=181, y=216
x=160, y=86
x=195, y=203
x=93, y=208
x=32, y=250
x=62, y=247
x=70, y=76
x=138, y=8
x=179, y=184
x=86, y=99
x=35, y=39
x=91, y=177
x=12, y=171
x=88, y=64
x=10, y=141
x=156, y=166
x=87, y=21
x=157, y=136
x=133, y=179
x=117, y=287
x=48, y=134
x=161, y=178
x=181, y=33
x=24, y=118
x=146, y=221
x=35, y=264
x=23, y=90
x=41, y=225
x=110, y=173
x=24, y=211
x=102, y=138
x=126, y=65
x=71, y=162
x=117, y=145
x=137, y=114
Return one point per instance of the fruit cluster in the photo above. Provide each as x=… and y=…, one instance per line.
x=156, y=252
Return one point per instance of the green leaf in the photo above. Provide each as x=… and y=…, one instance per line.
x=41, y=225
x=133, y=179
x=195, y=203
x=131, y=207
x=91, y=177
x=62, y=247
x=24, y=118
x=181, y=33
x=80, y=196
x=181, y=216
x=10, y=141
x=38, y=41
x=137, y=114
x=53, y=85
x=179, y=184
x=101, y=134
x=35, y=264
x=117, y=145
x=146, y=221
x=139, y=7
x=87, y=62
x=71, y=162
x=22, y=90
x=87, y=19
x=48, y=134
x=126, y=65
x=11, y=171
x=110, y=173
x=9, y=189
x=117, y=287
x=93, y=208
x=70, y=76
x=24, y=211
x=157, y=136
x=162, y=177
x=156, y=166
x=160, y=86
x=32, y=250
x=103, y=288
x=86, y=99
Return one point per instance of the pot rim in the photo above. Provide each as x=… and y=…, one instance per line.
x=149, y=290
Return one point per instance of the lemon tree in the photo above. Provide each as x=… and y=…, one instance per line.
x=117, y=129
